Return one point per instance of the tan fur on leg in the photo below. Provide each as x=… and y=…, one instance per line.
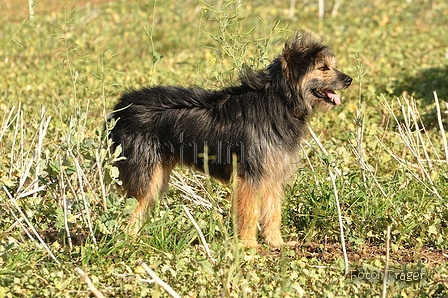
x=246, y=201
x=271, y=214
x=146, y=201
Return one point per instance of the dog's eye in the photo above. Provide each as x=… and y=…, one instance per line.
x=323, y=68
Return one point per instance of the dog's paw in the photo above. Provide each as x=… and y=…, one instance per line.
x=250, y=243
x=274, y=240
x=276, y=244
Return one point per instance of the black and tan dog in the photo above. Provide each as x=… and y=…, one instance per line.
x=260, y=121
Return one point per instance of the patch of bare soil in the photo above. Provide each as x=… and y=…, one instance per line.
x=330, y=252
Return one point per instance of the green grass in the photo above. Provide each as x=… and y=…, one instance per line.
x=62, y=72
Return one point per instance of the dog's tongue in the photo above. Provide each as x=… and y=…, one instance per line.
x=333, y=96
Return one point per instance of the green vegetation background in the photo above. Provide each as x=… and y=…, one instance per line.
x=62, y=71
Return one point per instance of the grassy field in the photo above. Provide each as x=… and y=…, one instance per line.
x=383, y=152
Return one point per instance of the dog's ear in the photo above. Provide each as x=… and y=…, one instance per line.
x=299, y=54
x=302, y=48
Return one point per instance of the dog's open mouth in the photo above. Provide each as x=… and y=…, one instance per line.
x=328, y=96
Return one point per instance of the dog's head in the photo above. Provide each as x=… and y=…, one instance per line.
x=309, y=67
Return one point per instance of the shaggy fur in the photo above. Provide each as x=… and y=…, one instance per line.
x=260, y=121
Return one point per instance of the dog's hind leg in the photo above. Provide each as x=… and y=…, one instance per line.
x=147, y=194
x=246, y=205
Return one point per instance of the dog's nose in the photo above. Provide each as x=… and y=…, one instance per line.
x=348, y=80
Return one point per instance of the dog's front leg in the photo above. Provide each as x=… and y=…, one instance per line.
x=246, y=206
x=271, y=213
